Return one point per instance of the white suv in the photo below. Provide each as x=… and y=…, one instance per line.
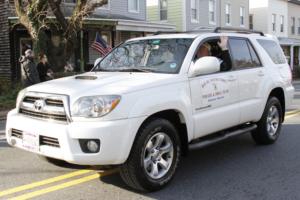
x=151, y=99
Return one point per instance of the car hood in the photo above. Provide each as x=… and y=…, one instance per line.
x=103, y=83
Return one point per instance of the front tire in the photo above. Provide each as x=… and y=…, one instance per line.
x=270, y=124
x=154, y=157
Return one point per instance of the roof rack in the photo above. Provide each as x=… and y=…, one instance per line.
x=163, y=32
x=238, y=30
x=216, y=30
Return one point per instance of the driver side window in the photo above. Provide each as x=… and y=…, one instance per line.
x=212, y=47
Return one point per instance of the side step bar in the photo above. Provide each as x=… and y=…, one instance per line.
x=217, y=137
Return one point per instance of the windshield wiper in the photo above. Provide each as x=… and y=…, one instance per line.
x=135, y=69
x=155, y=64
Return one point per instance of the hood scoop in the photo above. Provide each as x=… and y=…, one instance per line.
x=86, y=77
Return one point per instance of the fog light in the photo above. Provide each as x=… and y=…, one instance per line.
x=90, y=145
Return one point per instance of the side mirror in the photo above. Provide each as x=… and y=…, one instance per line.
x=205, y=65
x=97, y=61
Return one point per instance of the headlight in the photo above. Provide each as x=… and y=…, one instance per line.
x=20, y=97
x=95, y=106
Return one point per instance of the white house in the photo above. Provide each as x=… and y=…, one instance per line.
x=282, y=19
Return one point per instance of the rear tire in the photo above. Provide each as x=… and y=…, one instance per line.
x=154, y=156
x=270, y=124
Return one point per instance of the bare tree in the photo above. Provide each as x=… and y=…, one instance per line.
x=33, y=15
x=73, y=25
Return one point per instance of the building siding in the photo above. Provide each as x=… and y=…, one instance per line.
x=179, y=13
x=5, y=68
x=258, y=14
x=220, y=14
x=120, y=7
x=175, y=13
x=152, y=13
x=235, y=13
x=293, y=11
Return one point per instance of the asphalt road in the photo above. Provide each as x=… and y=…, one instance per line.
x=234, y=169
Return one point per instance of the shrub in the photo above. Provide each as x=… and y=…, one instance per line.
x=8, y=94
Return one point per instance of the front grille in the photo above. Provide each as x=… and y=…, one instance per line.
x=53, y=102
x=43, y=106
x=17, y=133
x=43, y=115
x=49, y=141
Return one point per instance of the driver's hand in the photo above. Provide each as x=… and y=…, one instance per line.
x=223, y=43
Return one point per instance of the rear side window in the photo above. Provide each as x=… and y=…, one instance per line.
x=243, y=54
x=274, y=50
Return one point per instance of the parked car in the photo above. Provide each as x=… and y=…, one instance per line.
x=152, y=99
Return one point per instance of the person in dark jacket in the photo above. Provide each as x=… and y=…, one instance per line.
x=224, y=56
x=44, y=69
x=30, y=74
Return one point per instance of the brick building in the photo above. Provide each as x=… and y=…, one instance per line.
x=5, y=59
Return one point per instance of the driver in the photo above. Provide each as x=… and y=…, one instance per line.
x=224, y=56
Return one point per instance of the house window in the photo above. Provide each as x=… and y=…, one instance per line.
x=251, y=26
x=194, y=10
x=274, y=22
x=242, y=16
x=293, y=27
x=212, y=11
x=228, y=14
x=133, y=6
x=281, y=23
x=163, y=5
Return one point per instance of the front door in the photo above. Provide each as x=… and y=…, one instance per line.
x=214, y=102
x=214, y=96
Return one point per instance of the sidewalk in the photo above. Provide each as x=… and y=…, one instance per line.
x=2, y=131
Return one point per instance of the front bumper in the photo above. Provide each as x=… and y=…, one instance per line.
x=116, y=138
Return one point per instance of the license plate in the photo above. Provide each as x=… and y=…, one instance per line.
x=31, y=141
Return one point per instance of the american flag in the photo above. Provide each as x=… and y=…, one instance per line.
x=100, y=45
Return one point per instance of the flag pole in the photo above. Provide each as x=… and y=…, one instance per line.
x=81, y=52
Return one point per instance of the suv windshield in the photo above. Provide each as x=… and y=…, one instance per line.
x=155, y=55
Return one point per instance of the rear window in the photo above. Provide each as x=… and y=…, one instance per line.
x=274, y=50
x=243, y=54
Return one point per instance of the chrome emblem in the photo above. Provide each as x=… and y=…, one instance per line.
x=39, y=105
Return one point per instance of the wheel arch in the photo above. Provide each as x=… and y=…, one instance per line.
x=279, y=94
x=177, y=119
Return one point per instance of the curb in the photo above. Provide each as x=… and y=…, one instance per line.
x=292, y=112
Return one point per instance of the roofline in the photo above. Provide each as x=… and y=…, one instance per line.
x=126, y=25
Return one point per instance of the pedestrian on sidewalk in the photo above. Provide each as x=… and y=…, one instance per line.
x=30, y=75
x=44, y=69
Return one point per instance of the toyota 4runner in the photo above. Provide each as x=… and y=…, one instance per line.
x=151, y=99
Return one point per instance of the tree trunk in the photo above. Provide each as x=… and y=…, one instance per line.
x=40, y=44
